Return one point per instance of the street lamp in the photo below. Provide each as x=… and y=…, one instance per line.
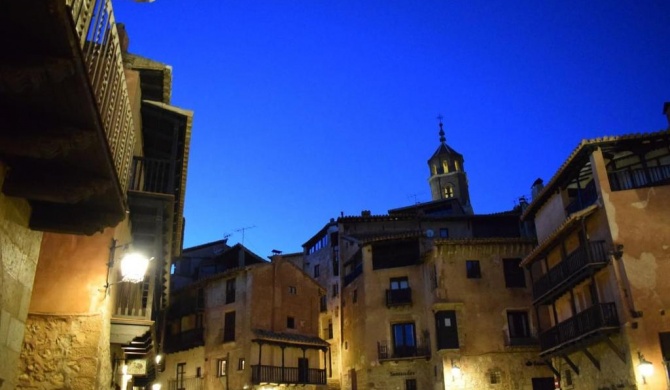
x=133, y=265
x=646, y=367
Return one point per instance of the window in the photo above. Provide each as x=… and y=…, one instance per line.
x=230, y=290
x=323, y=303
x=448, y=192
x=444, y=233
x=458, y=168
x=336, y=289
x=181, y=369
x=514, y=274
x=410, y=384
x=316, y=271
x=472, y=269
x=290, y=322
x=399, y=283
x=354, y=297
x=221, y=367
x=517, y=323
x=198, y=372
x=330, y=329
x=404, y=339
x=292, y=290
x=200, y=299
x=445, y=166
x=229, y=327
x=241, y=363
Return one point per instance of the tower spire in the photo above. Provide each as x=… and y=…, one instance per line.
x=442, y=139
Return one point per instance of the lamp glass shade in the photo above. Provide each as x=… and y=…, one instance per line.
x=646, y=368
x=134, y=267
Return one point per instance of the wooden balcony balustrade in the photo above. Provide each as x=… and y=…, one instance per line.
x=152, y=175
x=570, y=271
x=597, y=319
x=287, y=375
x=69, y=132
x=627, y=179
x=185, y=340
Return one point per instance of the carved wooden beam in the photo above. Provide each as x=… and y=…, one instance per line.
x=571, y=364
x=47, y=144
x=53, y=185
x=593, y=360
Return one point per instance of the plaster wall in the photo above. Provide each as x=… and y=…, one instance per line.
x=71, y=307
x=639, y=221
x=19, y=252
x=549, y=217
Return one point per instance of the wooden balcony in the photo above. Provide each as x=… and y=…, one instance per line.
x=67, y=130
x=287, y=375
x=572, y=270
x=398, y=297
x=627, y=179
x=582, y=329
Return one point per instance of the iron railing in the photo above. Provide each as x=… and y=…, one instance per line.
x=100, y=45
x=599, y=317
x=398, y=297
x=385, y=351
x=565, y=273
x=287, y=375
x=186, y=383
x=627, y=179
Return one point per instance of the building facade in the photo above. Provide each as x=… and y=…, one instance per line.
x=599, y=291
x=245, y=323
x=408, y=301
x=74, y=196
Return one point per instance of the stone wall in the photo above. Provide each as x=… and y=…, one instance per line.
x=64, y=352
x=19, y=250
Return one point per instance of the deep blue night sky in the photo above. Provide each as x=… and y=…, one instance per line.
x=306, y=109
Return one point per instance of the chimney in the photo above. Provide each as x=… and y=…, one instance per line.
x=124, y=41
x=666, y=111
x=240, y=257
x=523, y=202
x=536, y=188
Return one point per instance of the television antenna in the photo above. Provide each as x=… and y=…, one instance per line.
x=243, y=229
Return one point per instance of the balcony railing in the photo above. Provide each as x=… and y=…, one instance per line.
x=135, y=300
x=596, y=319
x=569, y=271
x=287, y=375
x=585, y=198
x=99, y=41
x=152, y=175
x=351, y=276
x=386, y=352
x=186, y=383
x=637, y=178
x=527, y=340
x=398, y=297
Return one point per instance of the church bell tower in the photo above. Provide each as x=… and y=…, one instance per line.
x=448, y=179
